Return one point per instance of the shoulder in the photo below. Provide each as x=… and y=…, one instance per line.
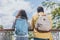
x=35, y=16
x=49, y=16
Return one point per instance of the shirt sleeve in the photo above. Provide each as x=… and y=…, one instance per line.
x=14, y=23
x=32, y=24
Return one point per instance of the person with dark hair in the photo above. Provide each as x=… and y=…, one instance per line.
x=21, y=26
x=41, y=35
x=22, y=14
x=40, y=9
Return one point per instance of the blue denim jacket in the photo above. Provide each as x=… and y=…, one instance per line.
x=21, y=26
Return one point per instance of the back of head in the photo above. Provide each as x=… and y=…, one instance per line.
x=22, y=14
x=40, y=9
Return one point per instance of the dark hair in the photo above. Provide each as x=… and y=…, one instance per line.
x=40, y=9
x=23, y=14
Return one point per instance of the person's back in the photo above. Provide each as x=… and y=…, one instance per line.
x=40, y=35
x=21, y=26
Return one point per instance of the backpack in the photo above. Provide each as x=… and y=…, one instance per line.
x=43, y=23
x=21, y=27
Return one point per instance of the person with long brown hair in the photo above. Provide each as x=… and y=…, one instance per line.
x=21, y=26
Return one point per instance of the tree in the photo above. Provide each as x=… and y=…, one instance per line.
x=55, y=11
x=1, y=26
x=56, y=17
x=48, y=4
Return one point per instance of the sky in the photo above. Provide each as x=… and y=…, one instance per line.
x=10, y=8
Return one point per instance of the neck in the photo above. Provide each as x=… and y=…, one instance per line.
x=41, y=13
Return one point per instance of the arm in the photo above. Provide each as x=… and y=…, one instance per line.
x=31, y=28
x=50, y=18
x=13, y=27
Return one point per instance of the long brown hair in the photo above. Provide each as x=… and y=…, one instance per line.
x=23, y=14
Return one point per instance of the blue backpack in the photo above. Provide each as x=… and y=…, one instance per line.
x=21, y=26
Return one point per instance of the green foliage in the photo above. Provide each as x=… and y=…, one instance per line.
x=30, y=35
x=48, y=4
x=55, y=13
x=58, y=24
x=1, y=27
x=56, y=16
